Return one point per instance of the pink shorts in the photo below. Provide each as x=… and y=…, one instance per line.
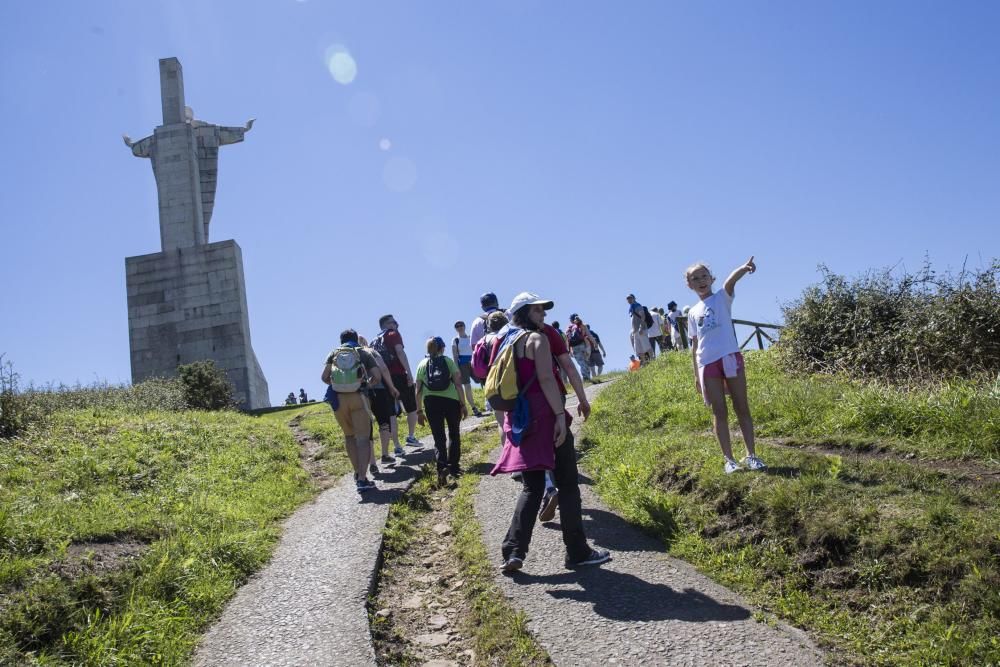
x=716, y=369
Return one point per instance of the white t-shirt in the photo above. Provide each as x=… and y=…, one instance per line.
x=672, y=316
x=654, y=330
x=711, y=322
x=464, y=344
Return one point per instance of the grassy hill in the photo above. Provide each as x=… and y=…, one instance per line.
x=877, y=525
x=122, y=534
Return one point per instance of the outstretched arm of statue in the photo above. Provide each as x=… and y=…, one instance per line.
x=232, y=135
x=139, y=148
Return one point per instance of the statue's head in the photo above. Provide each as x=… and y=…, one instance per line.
x=188, y=114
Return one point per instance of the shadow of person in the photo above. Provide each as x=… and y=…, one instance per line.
x=626, y=597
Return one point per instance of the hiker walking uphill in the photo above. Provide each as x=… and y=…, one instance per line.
x=718, y=363
x=347, y=370
x=640, y=321
x=675, y=331
x=438, y=380
x=389, y=344
x=382, y=397
x=489, y=304
x=597, y=355
x=580, y=343
x=537, y=435
x=461, y=352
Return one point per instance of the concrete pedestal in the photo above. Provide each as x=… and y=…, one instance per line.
x=189, y=304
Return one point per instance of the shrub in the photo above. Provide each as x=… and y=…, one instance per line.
x=206, y=386
x=910, y=326
x=19, y=409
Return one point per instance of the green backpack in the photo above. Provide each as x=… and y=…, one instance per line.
x=347, y=370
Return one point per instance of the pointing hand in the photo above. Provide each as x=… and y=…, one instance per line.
x=750, y=266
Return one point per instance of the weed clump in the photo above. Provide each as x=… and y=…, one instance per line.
x=913, y=326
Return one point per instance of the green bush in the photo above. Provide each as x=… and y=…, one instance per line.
x=21, y=408
x=206, y=386
x=899, y=327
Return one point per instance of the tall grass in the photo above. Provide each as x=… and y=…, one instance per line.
x=885, y=562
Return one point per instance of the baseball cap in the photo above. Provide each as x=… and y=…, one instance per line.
x=572, y=318
x=528, y=299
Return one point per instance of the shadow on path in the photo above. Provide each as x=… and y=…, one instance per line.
x=625, y=597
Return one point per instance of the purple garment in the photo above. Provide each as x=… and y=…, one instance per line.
x=537, y=450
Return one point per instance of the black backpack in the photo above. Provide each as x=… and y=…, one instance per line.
x=647, y=317
x=388, y=356
x=575, y=336
x=438, y=373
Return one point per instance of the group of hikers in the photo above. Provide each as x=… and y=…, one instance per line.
x=524, y=365
x=302, y=400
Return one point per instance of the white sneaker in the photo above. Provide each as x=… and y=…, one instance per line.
x=754, y=463
x=732, y=466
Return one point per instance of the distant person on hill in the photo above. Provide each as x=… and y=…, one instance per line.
x=580, y=344
x=597, y=355
x=546, y=445
x=303, y=399
x=438, y=382
x=653, y=332
x=389, y=344
x=461, y=352
x=347, y=370
x=640, y=329
x=675, y=331
x=718, y=363
x=290, y=399
x=664, y=338
x=633, y=363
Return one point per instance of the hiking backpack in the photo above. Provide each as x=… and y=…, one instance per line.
x=438, y=373
x=575, y=336
x=481, y=357
x=503, y=384
x=379, y=345
x=346, y=370
x=647, y=317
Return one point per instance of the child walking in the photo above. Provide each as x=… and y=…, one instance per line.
x=718, y=363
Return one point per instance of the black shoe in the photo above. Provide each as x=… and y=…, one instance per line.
x=442, y=477
x=516, y=476
x=596, y=557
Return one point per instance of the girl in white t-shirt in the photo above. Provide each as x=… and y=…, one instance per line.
x=718, y=363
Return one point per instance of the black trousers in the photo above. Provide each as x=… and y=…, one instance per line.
x=570, y=514
x=440, y=411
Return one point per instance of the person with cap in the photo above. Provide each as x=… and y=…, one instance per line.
x=489, y=303
x=580, y=343
x=640, y=332
x=461, y=352
x=438, y=380
x=544, y=443
x=675, y=330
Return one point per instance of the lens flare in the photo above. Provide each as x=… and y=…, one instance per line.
x=341, y=64
x=384, y=144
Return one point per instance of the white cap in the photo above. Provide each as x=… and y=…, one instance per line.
x=528, y=299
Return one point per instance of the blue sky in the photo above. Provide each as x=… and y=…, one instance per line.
x=582, y=150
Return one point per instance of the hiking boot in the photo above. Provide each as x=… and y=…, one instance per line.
x=754, y=463
x=511, y=565
x=732, y=466
x=413, y=442
x=549, y=504
x=398, y=451
x=388, y=459
x=596, y=557
x=442, y=477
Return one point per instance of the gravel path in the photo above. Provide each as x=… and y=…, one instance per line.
x=642, y=608
x=307, y=606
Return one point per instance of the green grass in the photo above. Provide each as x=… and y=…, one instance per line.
x=885, y=562
x=197, y=496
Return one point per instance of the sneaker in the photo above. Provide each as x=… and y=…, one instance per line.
x=754, y=463
x=388, y=459
x=410, y=440
x=370, y=483
x=512, y=564
x=373, y=469
x=363, y=485
x=476, y=412
x=596, y=557
x=549, y=504
x=732, y=466
x=398, y=451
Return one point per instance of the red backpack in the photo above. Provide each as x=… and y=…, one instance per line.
x=481, y=357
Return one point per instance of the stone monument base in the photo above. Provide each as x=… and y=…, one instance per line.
x=189, y=304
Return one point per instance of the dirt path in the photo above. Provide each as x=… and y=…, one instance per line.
x=642, y=608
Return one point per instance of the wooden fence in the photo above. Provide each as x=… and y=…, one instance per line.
x=758, y=332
